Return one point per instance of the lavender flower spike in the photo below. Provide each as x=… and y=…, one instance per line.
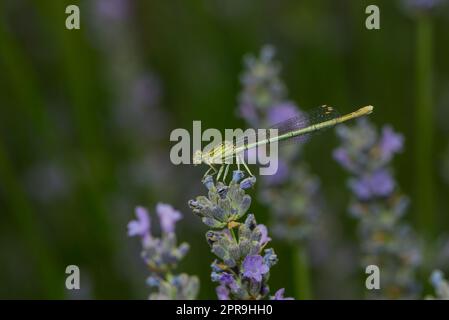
x=378, y=205
x=243, y=264
x=162, y=255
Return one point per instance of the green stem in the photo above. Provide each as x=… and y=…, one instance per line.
x=424, y=201
x=301, y=271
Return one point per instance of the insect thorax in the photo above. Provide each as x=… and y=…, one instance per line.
x=219, y=154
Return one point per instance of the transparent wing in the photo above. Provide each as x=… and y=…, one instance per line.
x=305, y=119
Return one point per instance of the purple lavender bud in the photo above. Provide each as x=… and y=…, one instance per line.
x=237, y=175
x=167, y=217
x=228, y=280
x=248, y=183
x=390, y=143
x=141, y=226
x=279, y=295
x=208, y=181
x=254, y=268
x=213, y=223
x=214, y=266
x=195, y=205
x=215, y=276
x=250, y=222
x=270, y=258
x=222, y=293
x=382, y=184
x=264, y=239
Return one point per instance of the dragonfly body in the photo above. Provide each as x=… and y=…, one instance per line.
x=227, y=151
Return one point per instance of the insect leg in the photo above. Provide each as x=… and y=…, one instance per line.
x=207, y=172
x=211, y=168
x=220, y=172
x=246, y=167
x=226, y=172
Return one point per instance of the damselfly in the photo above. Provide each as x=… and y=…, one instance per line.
x=300, y=127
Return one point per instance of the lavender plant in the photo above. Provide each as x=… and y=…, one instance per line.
x=379, y=207
x=440, y=284
x=162, y=255
x=242, y=267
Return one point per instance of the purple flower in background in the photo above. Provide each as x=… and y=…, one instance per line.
x=248, y=112
x=162, y=255
x=377, y=184
x=279, y=295
x=282, y=112
x=385, y=240
x=342, y=157
x=141, y=226
x=254, y=268
x=390, y=143
x=263, y=87
x=264, y=239
x=168, y=217
x=280, y=176
x=115, y=10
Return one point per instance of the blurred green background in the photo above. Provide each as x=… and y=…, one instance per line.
x=85, y=118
